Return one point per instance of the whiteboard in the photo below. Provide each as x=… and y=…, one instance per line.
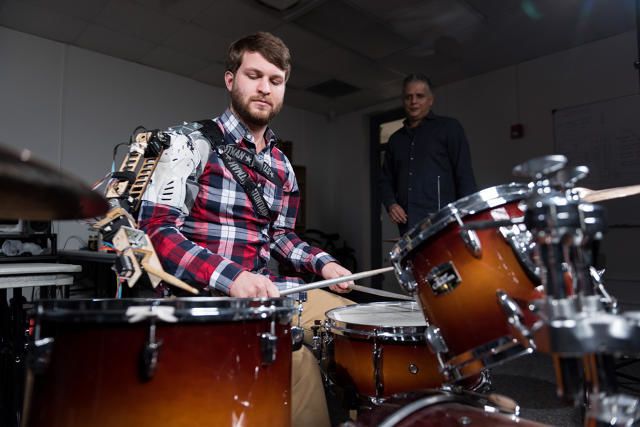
x=605, y=136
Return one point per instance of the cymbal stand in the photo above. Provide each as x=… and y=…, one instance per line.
x=582, y=334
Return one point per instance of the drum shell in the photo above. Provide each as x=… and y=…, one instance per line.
x=208, y=373
x=353, y=364
x=469, y=315
x=405, y=362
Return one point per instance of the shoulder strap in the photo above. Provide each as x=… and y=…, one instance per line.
x=213, y=133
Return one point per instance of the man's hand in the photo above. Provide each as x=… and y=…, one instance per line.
x=333, y=270
x=251, y=285
x=397, y=214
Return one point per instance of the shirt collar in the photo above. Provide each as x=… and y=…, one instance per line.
x=430, y=116
x=239, y=131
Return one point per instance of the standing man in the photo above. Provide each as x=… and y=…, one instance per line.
x=427, y=163
x=223, y=197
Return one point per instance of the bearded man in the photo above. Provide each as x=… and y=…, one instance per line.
x=223, y=197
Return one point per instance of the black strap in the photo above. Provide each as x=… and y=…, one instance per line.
x=212, y=132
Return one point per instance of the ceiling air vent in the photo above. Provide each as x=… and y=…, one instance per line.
x=333, y=88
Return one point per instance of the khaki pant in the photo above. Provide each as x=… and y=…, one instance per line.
x=308, y=402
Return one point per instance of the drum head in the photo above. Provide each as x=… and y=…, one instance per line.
x=385, y=320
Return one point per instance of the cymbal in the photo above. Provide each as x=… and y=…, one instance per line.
x=593, y=196
x=33, y=190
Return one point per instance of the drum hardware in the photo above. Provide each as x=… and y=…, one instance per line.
x=297, y=332
x=515, y=317
x=435, y=340
x=469, y=237
x=378, y=379
x=149, y=354
x=443, y=278
x=316, y=339
x=609, y=410
x=269, y=341
x=578, y=324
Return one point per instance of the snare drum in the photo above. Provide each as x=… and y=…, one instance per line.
x=456, y=273
x=138, y=362
x=380, y=349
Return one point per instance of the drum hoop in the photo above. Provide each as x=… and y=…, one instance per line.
x=488, y=198
x=205, y=309
x=369, y=331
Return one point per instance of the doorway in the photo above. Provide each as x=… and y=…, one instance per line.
x=384, y=233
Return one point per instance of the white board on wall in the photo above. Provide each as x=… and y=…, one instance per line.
x=605, y=136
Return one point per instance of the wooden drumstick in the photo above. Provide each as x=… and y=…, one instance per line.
x=172, y=280
x=329, y=282
x=593, y=196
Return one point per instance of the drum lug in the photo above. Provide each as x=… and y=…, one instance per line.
x=297, y=332
x=435, y=340
x=405, y=276
x=377, y=369
x=149, y=354
x=515, y=318
x=469, y=237
x=40, y=356
x=268, y=348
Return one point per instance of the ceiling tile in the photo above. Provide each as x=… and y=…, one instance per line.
x=213, y=74
x=302, y=78
x=111, y=43
x=136, y=20
x=345, y=26
x=183, y=9
x=307, y=101
x=300, y=41
x=33, y=19
x=85, y=9
x=238, y=20
x=196, y=41
x=174, y=61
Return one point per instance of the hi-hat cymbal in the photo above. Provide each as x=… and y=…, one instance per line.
x=30, y=189
x=593, y=196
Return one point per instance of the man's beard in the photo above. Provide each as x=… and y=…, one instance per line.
x=242, y=109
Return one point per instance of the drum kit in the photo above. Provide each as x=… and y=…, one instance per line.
x=493, y=276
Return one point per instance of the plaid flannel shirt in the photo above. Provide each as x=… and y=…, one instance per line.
x=202, y=223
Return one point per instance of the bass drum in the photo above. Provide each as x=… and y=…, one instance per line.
x=456, y=273
x=140, y=362
x=444, y=409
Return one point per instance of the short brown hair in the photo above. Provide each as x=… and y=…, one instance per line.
x=266, y=44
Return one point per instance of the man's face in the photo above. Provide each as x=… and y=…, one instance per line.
x=417, y=99
x=257, y=89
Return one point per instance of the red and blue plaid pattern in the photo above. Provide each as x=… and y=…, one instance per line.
x=208, y=241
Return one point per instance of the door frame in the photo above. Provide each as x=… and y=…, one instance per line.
x=375, y=149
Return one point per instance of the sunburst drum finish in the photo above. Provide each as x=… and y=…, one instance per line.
x=210, y=370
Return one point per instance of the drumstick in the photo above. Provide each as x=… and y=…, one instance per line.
x=172, y=280
x=592, y=196
x=329, y=282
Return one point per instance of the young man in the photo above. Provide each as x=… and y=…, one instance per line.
x=427, y=163
x=215, y=213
